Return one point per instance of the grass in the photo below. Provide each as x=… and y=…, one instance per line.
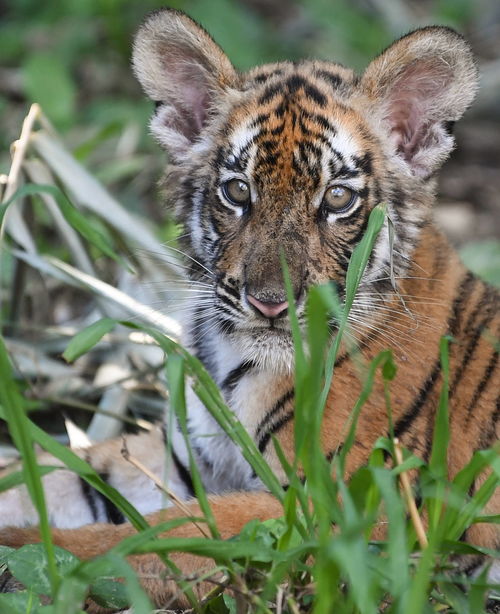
x=299, y=562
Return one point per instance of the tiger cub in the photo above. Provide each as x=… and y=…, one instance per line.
x=295, y=155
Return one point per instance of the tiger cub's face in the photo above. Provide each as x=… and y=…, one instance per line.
x=291, y=158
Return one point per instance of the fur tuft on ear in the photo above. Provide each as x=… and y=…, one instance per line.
x=423, y=82
x=183, y=70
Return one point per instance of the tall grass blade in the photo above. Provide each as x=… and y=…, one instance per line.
x=176, y=385
x=18, y=423
x=355, y=271
x=86, y=339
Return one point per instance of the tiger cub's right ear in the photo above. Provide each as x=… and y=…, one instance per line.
x=184, y=71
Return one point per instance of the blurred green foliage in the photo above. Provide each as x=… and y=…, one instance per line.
x=73, y=57
x=484, y=257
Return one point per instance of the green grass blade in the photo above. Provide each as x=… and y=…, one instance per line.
x=19, y=428
x=86, y=339
x=17, y=478
x=351, y=555
x=356, y=268
x=72, y=215
x=176, y=385
x=134, y=543
x=418, y=594
x=438, y=463
x=379, y=361
x=221, y=550
x=396, y=540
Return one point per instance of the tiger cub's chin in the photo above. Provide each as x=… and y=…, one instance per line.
x=270, y=349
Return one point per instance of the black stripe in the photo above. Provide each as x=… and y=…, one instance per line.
x=364, y=162
x=344, y=172
x=276, y=131
x=260, y=119
x=335, y=452
x=225, y=326
x=224, y=305
x=89, y=494
x=274, y=410
x=489, y=435
x=407, y=419
x=227, y=300
x=417, y=493
x=464, y=291
x=341, y=359
x=307, y=148
x=331, y=78
x=234, y=376
x=262, y=78
x=296, y=82
x=93, y=497
x=448, y=126
x=360, y=232
x=269, y=93
x=113, y=514
x=313, y=134
x=183, y=473
x=267, y=144
x=428, y=436
x=482, y=385
x=323, y=121
x=473, y=562
x=278, y=406
x=280, y=110
x=267, y=161
x=277, y=426
x=200, y=347
x=469, y=351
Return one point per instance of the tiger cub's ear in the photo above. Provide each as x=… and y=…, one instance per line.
x=423, y=83
x=182, y=69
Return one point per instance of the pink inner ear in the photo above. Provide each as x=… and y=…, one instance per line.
x=190, y=93
x=412, y=104
x=196, y=101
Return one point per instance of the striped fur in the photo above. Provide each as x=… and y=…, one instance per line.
x=290, y=131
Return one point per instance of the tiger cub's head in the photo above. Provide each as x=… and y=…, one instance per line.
x=293, y=157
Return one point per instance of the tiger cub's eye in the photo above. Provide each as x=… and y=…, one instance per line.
x=338, y=198
x=237, y=192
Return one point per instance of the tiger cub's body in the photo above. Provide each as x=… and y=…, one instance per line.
x=295, y=156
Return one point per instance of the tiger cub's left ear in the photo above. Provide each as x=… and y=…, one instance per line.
x=421, y=84
x=184, y=71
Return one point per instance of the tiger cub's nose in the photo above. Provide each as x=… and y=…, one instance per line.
x=268, y=309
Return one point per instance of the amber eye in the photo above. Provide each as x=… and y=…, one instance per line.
x=237, y=192
x=338, y=199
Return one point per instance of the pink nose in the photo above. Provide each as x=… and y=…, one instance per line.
x=267, y=309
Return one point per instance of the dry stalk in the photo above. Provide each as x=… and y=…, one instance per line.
x=292, y=605
x=409, y=499
x=19, y=148
x=279, y=600
x=220, y=587
x=159, y=484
